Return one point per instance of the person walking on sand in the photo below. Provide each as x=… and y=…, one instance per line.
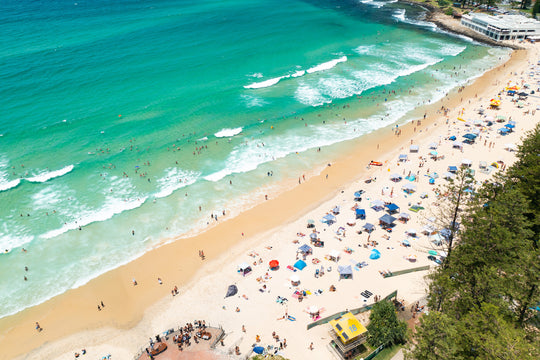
x=311, y=346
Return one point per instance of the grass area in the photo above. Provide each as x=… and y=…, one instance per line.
x=385, y=354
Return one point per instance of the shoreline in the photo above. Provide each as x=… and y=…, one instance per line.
x=74, y=311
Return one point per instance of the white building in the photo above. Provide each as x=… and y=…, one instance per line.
x=502, y=27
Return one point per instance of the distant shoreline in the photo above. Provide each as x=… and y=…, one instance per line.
x=453, y=25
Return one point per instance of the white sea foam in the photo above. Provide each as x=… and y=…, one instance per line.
x=6, y=185
x=47, y=197
x=13, y=235
x=175, y=179
x=377, y=4
x=308, y=95
x=47, y=175
x=122, y=198
x=299, y=73
x=364, y=49
x=399, y=14
x=326, y=65
x=266, y=83
x=253, y=101
x=256, y=75
x=228, y=132
x=203, y=138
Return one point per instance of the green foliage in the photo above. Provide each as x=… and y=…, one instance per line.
x=268, y=357
x=535, y=9
x=443, y=3
x=449, y=11
x=487, y=290
x=384, y=326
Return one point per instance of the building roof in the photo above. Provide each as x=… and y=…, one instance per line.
x=347, y=327
x=510, y=22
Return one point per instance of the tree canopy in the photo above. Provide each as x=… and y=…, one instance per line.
x=484, y=299
x=384, y=326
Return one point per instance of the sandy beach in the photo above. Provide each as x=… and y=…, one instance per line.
x=275, y=229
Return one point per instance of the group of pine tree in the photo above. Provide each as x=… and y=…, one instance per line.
x=484, y=299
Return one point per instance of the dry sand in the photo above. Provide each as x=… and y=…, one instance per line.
x=134, y=313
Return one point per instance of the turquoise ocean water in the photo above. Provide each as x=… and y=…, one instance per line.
x=113, y=111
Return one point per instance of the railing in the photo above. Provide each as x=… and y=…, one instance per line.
x=406, y=271
x=353, y=311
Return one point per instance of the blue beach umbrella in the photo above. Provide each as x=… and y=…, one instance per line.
x=258, y=349
x=375, y=254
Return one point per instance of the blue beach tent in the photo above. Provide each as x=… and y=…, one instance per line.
x=392, y=208
x=375, y=254
x=452, y=138
x=360, y=213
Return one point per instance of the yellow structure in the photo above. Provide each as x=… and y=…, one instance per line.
x=348, y=328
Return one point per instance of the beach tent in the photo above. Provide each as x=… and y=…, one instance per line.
x=428, y=229
x=504, y=131
x=452, y=138
x=406, y=243
x=436, y=239
x=392, y=208
x=300, y=264
x=334, y=255
x=395, y=177
x=414, y=148
x=466, y=162
x=375, y=254
x=409, y=188
x=377, y=205
x=348, y=329
x=404, y=216
x=482, y=165
x=452, y=169
x=449, y=176
x=258, y=350
x=244, y=269
x=411, y=232
x=328, y=219
x=509, y=126
x=470, y=136
x=433, y=153
x=274, y=264
x=358, y=195
x=360, y=214
x=369, y=227
x=416, y=208
x=457, y=145
x=345, y=272
x=387, y=220
x=295, y=280
x=433, y=145
x=403, y=157
x=336, y=210
x=231, y=291
x=305, y=249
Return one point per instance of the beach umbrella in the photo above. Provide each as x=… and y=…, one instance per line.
x=273, y=264
x=311, y=221
x=336, y=210
x=411, y=231
x=470, y=136
x=258, y=349
x=329, y=218
x=395, y=177
x=377, y=203
x=406, y=242
x=357, y=195
x=433, y=153
x=375, y=254
x=501, y=117
x=433, y=145
x=434, y=175
x=313, y=309
x=295, y=278
x=231, y=291
x=452, y=138
x=313, y=236
x=432, y=252
x=510, y=126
